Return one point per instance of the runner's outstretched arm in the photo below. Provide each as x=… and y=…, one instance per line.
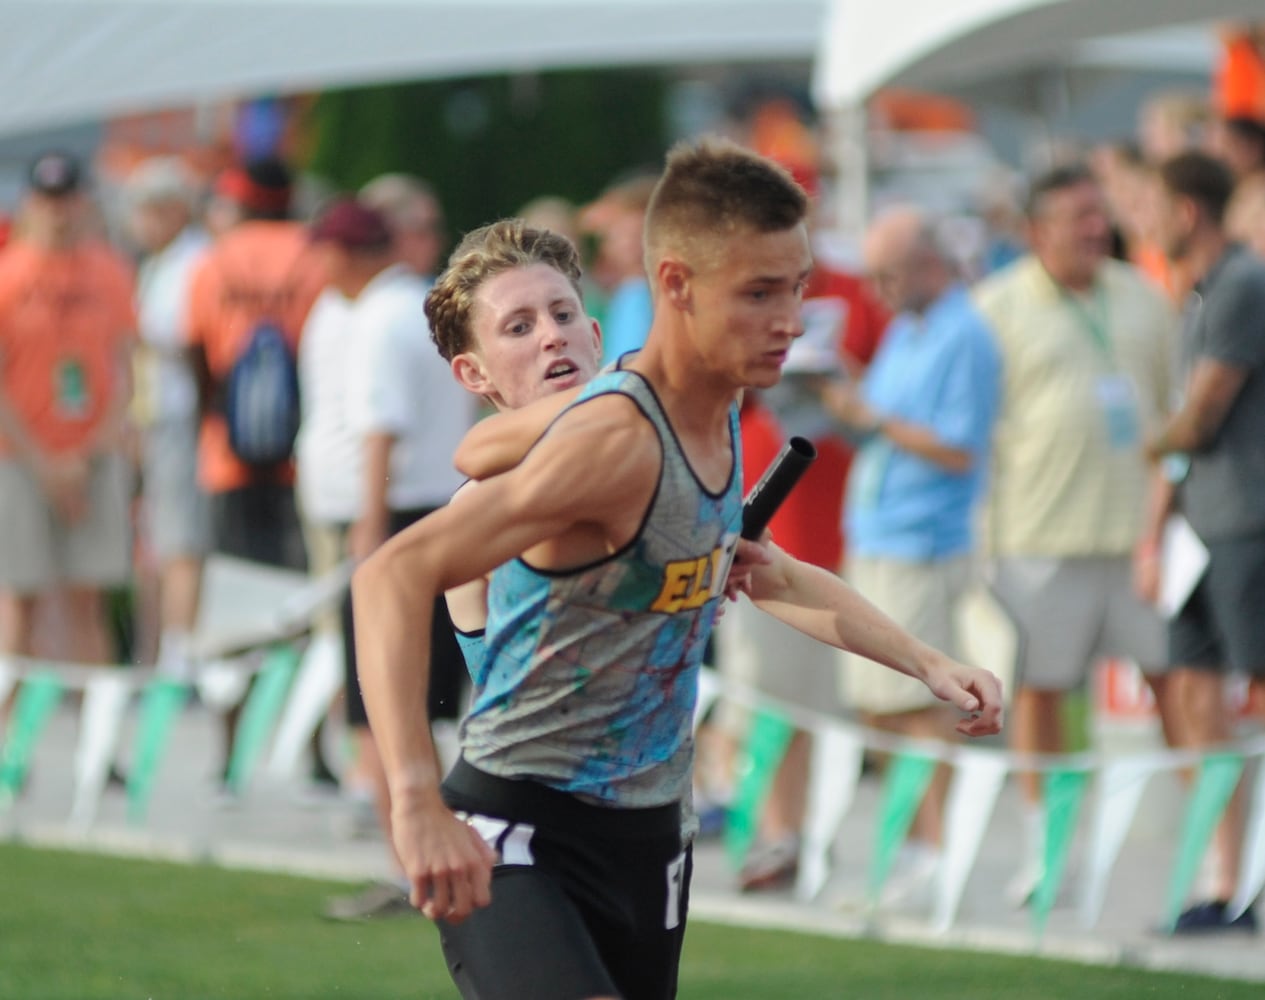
x=819, y=604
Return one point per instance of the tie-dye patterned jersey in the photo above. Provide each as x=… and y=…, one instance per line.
x=590, y=676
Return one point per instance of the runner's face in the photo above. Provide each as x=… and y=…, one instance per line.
x=532, y=337
x=746, y=305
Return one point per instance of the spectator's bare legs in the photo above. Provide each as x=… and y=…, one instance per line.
x=90, y=639
x=783, y=814
x=180, y=589
x=774, y=863
x=1167, y=690
x=1206, y=722
x=919, y=861
x=932, y=723
x=17, y=628
x=1036, y=727
x=17, y=623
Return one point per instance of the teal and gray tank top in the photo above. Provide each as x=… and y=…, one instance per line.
x=589, y=676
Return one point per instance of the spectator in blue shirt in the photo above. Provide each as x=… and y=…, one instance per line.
x=923, y=417
x=617, y=219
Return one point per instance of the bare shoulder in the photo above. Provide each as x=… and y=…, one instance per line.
x=608, y=424
x=602, y=450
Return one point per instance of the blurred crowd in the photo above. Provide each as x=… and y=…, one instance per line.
x=1024, y=419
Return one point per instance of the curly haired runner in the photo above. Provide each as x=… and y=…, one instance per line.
x=507, y=314
x=552, y=854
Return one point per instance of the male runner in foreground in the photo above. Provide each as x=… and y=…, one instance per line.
x=623, y=519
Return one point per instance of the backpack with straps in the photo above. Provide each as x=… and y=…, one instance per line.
x=261, y=398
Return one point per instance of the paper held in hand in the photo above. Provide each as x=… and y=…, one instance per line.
x=1185, y=558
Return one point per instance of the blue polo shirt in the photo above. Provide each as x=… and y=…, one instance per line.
x=942, y=371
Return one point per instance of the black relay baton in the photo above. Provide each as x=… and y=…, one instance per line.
x=775, y=486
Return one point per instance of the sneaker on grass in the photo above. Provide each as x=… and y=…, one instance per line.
x=379, y=899
x=771, y=866
x=1212, y=917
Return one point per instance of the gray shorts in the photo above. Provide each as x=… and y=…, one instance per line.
x=38, y=550
x=1222, y=625
x=1071, y=612
x=177, y=516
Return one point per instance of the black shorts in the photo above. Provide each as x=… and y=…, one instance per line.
x=448, y=672
x=1222, y=625
x=587, y=901
x=258, y=522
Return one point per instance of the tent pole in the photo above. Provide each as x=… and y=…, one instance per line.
x=846, y=128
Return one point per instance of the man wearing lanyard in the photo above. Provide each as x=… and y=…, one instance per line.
x=1085, y=346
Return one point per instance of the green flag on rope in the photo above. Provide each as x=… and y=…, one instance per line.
x=905, y=782
x=261, y=711
x=1064, y=793
x=767, y=740
x=37, y=698
x=162, y=703
x=1218, y=776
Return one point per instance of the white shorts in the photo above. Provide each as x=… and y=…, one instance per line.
x=38, y=550
x=1071, y=612
x=922, y=598
x=757, y=650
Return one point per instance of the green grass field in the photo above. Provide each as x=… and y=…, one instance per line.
x=84, y=927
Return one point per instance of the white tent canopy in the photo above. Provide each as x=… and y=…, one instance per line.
x=64, y=61
x=930, y=43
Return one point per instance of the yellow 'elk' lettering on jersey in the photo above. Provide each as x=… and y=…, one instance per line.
x=690, y=583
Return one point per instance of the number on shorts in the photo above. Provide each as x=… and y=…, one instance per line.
x=676, y=882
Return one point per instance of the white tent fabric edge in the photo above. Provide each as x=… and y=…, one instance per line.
x=66, y=61
x=928, y=43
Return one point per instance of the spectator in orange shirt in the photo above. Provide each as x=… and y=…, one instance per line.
x=66, y=330
x=263, y=269
x=1239, y=78
x=257, y=281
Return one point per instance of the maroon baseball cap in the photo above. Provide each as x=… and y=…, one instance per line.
x=352, y=225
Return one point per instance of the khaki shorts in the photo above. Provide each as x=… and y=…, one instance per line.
x=326, y=546
x=1071, y=612
x=923, y=599
x=757, y=650
x=38, y=550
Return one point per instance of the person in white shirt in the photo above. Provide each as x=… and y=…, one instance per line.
x=161, y=195
x=382, y=417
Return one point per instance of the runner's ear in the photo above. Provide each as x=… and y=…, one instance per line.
x=674, y=282
x=468, y=369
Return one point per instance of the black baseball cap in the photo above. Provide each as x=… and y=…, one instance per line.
x=55, y=173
